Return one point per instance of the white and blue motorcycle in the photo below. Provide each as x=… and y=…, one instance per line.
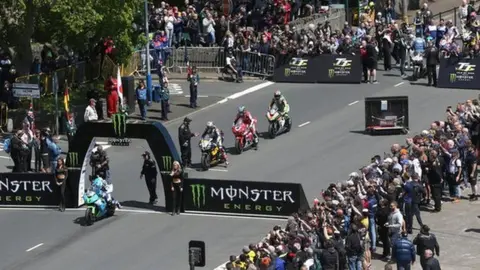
x=98, y=206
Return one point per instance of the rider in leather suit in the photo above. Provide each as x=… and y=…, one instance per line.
x=104, y=190
x=217, y=136
x=248, y=119
x=281, y=102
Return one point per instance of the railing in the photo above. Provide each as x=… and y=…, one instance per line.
x=75, y=74
x=453, y=15
x=206, y=59
x=336, y=17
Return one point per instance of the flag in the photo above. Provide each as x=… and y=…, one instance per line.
x=66, y=100
x=120, y=88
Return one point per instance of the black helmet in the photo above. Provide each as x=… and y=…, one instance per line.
x=187, y=120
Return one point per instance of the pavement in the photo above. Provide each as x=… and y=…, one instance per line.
x=328, y=120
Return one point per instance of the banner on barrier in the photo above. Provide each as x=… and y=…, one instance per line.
x=28, y=189
x=243, y=197
x=462, y=74
x=325, y=68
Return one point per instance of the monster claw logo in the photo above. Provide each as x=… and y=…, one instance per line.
x=72, y=159
x=453, y=77
x=167, y=164
x=119, y=121
x=198, y=195
x=298, y=62
x=331, y=73
x=287, y=72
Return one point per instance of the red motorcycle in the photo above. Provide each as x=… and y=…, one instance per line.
x=243, y=137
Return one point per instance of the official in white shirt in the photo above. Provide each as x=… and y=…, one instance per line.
x=91, y=112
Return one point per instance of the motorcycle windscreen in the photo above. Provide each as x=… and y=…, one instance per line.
x=379, y=109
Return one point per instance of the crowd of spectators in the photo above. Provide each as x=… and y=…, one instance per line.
x=377, y=204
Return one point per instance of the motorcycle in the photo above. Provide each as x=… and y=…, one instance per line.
x=243, y=137
x=94, y=212
x=211, y=153
x=277, y=123
x=418, y=67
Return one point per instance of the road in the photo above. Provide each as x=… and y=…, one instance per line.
x=325, y=149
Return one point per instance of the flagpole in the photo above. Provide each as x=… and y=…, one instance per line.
x=55, y=88
x=147, y=52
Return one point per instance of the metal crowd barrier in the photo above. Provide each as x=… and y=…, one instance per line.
x=453, y=15
x=336, y=17
x=206, y=59
x=75, y=74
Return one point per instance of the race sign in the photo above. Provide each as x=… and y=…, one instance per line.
x=462, y=74
x=26, y=90
x=28, y=189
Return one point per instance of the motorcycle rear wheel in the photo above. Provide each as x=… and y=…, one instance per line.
x=111, y=210
x=205, y=161
x=272, y=130
x=89, y=217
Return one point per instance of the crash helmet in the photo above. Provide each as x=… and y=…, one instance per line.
x=241, y=109
x=97, y=182
x=277, y=94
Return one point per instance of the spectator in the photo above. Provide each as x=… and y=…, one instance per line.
x=431, y=262
x=426, y=241
x=403, y=251
x=91, y=111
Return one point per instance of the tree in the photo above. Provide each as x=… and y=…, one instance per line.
x=78, y=24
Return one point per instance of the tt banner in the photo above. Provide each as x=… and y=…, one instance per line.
x=28, y=189
x=332, y=68
x=320, y=69
x=243, y=197
x=456, y=73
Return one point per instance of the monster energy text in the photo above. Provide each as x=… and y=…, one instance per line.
x=72, y=159
x=119, y=122
x=166, y=164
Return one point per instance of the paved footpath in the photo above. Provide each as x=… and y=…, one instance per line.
x=457, y=228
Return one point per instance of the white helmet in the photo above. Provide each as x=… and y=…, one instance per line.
x=354, y=175
x=277, y=94
x=210, y=124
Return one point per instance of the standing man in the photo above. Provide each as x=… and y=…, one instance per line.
x=433, y=59
x=194, y=79
x=142, y=99
x=434, y=169
x=184, y=139
x=395, y=222
x=91, y=111
x=112, y=96
x=164, y=98
x=403, y=251
x=426, y=241
x=149, y=170
x=413, y=195
x=70, y=127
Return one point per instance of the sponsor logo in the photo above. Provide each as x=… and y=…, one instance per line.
x=453, y=77
x=198, y=195
x=331, y=72
x=119, y=121
x=72, y=160
x=18, y=188
x=342, y=62
x=166, y=164
x=465, y=67
x=287, y=72
x=298, y=62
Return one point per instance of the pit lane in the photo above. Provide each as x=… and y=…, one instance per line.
x=325, y=150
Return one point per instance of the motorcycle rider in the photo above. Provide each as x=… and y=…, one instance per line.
x=248, y=119
x=104, y=190
x=217, y=137
x=281, y=102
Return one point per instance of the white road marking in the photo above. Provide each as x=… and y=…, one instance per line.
x=304, y=124
x=34, y=247
x=353, y=103
x=234, y=96
x=197, y=96
x=218, y=170
x=398, y=84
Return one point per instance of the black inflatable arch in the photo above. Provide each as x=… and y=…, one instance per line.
x=157, y=136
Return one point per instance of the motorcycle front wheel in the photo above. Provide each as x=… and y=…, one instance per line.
x=272, y=130
x=205, y=161
x=89, y=217
x=238, y=146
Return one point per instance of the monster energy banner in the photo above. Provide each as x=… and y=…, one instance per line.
x=28, y=189
x=319, y=69
x=461, y=74
x=243, y=197
x=119, y=122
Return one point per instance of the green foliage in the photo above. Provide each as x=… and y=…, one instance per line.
x=78, y=24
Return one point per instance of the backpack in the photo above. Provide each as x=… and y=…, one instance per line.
x=417, y=194
x=6, y=146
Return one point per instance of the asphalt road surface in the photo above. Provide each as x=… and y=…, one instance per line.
x=325, y=149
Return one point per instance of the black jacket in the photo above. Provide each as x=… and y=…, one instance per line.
x=184, y=135
x=432, y=56
x=426, y=241
x=149, y=169
x=353, y=245
x=432, y=264
x=329, y=259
